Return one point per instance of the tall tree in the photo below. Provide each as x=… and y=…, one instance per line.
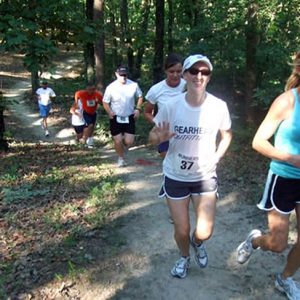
x=170, y=26
x=99, y=43
x=36, y=27
x=141, y=42
x=159, y=40
x=126, y=33
x=252, y=41
x=3, y=142
x=89, y=53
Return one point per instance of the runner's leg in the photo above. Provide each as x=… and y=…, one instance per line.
x=179, y=210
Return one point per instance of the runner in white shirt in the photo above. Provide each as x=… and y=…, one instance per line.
x=119, y=102
x=77, y=119
x=165, y=91
x=44, y=96
x=191, y=123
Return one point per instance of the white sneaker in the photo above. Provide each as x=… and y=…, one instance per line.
x=181, y=267
x=245, y=249
x=121, y=162
x=42, y=124
x=287, y=286
x=201, y=257
x=47, y=133
x=90, y=142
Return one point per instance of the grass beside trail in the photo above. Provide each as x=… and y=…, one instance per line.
x=55, y=200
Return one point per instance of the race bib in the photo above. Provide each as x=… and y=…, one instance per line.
x=123, y=120
x=91, y=103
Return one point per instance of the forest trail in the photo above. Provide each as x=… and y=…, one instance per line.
x=139, y=266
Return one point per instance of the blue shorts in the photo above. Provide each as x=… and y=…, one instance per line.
x=282, y=194
x=163, y=147
x=89, y=119
x=44, y=110
x=178, y=190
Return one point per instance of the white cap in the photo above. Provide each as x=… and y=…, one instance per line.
x=192, y=59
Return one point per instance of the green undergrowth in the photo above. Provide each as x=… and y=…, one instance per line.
x=243, y=170
x=55, y=203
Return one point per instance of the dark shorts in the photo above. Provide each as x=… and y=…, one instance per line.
x=163, y=147
x=117, y=128
x=44, y=110
x=178, y=190
x=79, y=129
x=89, y=119
x=282, y=194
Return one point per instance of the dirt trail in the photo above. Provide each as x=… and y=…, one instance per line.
x=140, y=267
x=25, y=123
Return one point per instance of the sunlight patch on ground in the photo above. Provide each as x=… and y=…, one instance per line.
x=11, y=95
x=65, y=133
x=47, y=75
x=229, y=199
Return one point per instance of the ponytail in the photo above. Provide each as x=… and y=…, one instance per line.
x=294, y=79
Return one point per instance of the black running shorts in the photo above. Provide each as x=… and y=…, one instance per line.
x=282, y=194
x=178, y=190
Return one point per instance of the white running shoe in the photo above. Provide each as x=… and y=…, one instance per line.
x=47, y=133
x=121, y=162
x=201, y=257
x=181, y=267
x=287, y=286
x=245, y=249
x=90, y=142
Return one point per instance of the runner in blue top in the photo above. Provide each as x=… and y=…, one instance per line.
x=282, y=191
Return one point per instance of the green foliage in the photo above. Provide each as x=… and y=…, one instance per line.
x=99, y=195
x=10, y=174
x=22, y=193
x=215, y=28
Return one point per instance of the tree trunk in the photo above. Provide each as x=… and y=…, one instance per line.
x=252, y=41
x=99, y=44
x=89, y=53
x=34, y=81
x=159, y=41
x=3, y=142
x=126, y=34
x=115, y=55
x=170, y=26
x=145, y=8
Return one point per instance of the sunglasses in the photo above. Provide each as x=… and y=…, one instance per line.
x=194, y=71
x=123, y=75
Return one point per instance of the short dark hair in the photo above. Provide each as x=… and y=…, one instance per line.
x=172, y=59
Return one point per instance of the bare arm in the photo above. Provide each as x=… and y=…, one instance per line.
x=160, y=133
x=280, y=110
x=148, y=112
x=139, y=103
x=138, y=109
x=74, y=110
x=110, y=113
x=226, y=137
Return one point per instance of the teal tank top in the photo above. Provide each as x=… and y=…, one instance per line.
x=287, y=139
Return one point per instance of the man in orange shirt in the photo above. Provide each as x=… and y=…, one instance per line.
x=90, y=98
